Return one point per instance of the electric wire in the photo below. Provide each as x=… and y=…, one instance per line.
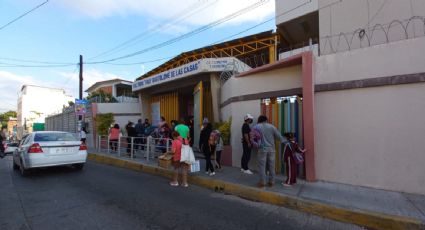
x=189, y=34
x=23, y=15
x=179, y=16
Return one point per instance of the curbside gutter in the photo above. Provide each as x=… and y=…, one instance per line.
x=370, y=220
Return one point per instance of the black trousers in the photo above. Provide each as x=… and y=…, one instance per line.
x=246, y=156
x=209, y=165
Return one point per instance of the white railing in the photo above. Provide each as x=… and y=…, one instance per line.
x=145, y=147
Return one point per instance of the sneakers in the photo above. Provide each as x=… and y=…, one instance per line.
x=286, y=185
x=185, y=185
x=212, y=174
x=174, y=184
x=248, y=172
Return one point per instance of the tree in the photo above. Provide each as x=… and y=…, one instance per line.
x=4, y=117
x=103, y=122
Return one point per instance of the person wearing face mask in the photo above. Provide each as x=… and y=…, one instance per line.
x=246, y=143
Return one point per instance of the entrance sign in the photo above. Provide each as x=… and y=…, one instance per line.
x=195, y=67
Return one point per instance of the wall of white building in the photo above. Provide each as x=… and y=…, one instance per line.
x=36, y=103
x=372, y=136
x=123, y=112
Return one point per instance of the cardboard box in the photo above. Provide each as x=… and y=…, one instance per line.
x=164, y=163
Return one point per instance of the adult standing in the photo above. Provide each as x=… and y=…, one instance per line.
x=114, y=135
x=266, y=154
x=183, y=131
x=2, y=138
x=131, y=133
x=192, y=130
x=83, y=135
x=139, y=135
x=246, y=144
x=204, y=135
x=176, y=148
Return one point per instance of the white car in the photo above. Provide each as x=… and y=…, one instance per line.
x=10, y=147
x=49, y=148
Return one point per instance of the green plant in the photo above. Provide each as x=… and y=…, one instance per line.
x=225, y=130
x=102, y=96
x=103, y=122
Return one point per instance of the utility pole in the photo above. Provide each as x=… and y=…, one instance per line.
x=81, y=78
x=80, y=117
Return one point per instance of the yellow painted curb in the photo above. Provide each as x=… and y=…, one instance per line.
x=371, y=220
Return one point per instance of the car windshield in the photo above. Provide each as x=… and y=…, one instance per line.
x=40, y=137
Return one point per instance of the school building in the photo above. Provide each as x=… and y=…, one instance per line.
x=348, y=77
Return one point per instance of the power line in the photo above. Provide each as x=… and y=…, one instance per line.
x=39, y=62
x=179, y=16
x=3, y=64
x=233, y=35
x=189, y=34
x=23, y=15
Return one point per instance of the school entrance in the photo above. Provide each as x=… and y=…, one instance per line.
x=286, y=114
x=193, y=101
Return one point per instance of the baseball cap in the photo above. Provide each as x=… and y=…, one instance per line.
x=248, y=116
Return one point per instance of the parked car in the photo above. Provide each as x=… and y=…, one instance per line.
x=49, y=148
x=10, y=147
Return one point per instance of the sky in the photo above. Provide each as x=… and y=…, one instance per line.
x=43, y=47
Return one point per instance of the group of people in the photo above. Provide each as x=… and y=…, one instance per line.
x=262, y=137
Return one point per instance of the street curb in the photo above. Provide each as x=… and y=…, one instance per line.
x=370, y=220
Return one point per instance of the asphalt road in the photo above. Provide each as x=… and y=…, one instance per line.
x=105, y=197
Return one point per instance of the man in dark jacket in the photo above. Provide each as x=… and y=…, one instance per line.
x=131, y=133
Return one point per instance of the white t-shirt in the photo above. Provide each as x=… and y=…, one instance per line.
x=83, y=134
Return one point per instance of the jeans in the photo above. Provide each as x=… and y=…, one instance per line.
x=266, y=159
x=246, y=156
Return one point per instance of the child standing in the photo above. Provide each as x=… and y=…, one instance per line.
x=288, y=157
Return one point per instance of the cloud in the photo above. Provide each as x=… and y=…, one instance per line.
x=10, y=86
x=192, y=12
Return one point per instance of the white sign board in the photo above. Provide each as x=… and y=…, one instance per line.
x=195, y=67
x=156, y=113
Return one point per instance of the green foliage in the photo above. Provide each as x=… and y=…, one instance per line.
x=4, y=117
x=101, y=96
x=225, y=130
x=71, y=103
x=103, y=122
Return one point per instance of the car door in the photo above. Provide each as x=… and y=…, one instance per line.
x=17, y=152
x=23, y=149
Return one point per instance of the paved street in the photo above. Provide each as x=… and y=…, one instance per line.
x=105, y=197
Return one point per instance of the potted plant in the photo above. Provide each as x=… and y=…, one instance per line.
x=225, y=130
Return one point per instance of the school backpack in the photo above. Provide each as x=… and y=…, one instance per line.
x=215, y=134
x=256, y=137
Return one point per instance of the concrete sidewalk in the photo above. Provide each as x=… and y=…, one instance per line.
x=371, y=208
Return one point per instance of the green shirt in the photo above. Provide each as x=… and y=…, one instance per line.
x=183, y=130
